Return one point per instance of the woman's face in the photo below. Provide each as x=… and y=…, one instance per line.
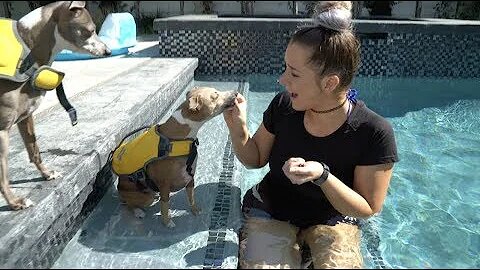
x=299, y=79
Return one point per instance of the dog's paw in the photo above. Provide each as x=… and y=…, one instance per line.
x=52, y=175
x=139, y=213
x=28, y=202
x=20, y=204
x=170, y=224
x=196, y=210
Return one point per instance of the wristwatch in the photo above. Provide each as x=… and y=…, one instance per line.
x=324, y=176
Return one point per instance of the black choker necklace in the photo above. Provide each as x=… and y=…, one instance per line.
x=330, y=110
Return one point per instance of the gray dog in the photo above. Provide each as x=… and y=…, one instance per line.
x=43, y=33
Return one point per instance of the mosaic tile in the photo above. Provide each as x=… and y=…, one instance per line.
x=227, y=52
x=218, y=224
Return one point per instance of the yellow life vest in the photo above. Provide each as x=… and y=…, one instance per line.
x=16, y=63
x=46, y=78
x=137, y=153
x=13, y=52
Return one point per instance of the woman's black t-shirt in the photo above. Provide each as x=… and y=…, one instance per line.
x=364, y=139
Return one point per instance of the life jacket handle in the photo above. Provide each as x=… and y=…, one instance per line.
x=110, y=156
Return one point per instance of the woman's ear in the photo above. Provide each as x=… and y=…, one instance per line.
x=330, y=82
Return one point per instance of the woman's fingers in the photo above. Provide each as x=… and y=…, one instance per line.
x=300, y=171
x=236, y=116
x=240, y=98
x=295, y=161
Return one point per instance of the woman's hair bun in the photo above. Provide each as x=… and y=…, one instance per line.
x=334, y=15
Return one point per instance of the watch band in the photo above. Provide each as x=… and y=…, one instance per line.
x=324, y=176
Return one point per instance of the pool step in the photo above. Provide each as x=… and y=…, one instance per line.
x=141, y=95
x=113, y=238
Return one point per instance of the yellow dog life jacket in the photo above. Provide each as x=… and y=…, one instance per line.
x=135, y=154
x=16, y=63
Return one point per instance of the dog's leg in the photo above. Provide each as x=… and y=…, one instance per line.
x=14, y=202
x=190, y=186
x=165, y=205
x=27, y=131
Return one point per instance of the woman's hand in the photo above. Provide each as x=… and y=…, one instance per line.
x=236, y=116
x=300, y=171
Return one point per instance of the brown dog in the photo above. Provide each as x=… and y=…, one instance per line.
x=45, y=31
x=172, y=170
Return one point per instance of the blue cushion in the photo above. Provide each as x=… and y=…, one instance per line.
x=118, y=32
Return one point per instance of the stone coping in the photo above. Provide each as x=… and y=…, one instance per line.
x=106, y=113
x=213, y=22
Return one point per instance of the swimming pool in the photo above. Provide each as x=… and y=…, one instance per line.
x=430, y=216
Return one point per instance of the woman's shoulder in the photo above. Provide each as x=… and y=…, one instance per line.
x=367, y=118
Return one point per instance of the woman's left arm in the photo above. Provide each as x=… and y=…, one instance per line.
x=370, y=187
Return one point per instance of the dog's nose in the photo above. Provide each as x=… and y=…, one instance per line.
x=108, y=52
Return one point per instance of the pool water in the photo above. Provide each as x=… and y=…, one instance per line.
x=430, y=217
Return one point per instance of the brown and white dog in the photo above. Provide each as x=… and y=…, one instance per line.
x=171, y=174
x=45, y=31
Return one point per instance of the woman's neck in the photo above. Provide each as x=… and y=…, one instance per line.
x=323, y=124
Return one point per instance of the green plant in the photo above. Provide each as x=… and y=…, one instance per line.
x=310, y=7
x=108, y=7
x=105, y=7
x=36, y=4
x=7, y=6
x=135, y=9
x=468, y=10
x=356, y=9
x=207, y=7
x=293, y=6
x=444, y=10
x=246, y=7
x=380, y=8
x=145, y=22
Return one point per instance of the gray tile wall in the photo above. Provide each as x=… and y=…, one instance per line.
x=437, y=51
x=50, y=245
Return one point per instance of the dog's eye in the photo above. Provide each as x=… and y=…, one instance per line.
x=87, y=33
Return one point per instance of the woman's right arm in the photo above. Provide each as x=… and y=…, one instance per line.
x=254, y=151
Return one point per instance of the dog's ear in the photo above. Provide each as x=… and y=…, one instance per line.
x=194, y=103
x=190, y=92
x=76, y=4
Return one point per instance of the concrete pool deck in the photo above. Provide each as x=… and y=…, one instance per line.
x=112, y=96
x=81, y=75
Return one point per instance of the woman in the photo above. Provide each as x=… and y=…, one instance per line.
x=331, y=158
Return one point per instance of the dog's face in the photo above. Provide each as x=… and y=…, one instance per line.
x=204, y=103
x=78, y=31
